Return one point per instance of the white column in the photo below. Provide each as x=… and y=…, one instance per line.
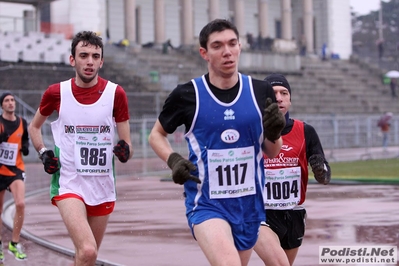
x=308, y=24
x=380, y=25
x=130, y=20
x=239, y=18
x=37, y=18
x=187, y=23
x=214, y=7
x=263, y=7
x=286, y=20
x=159, y=22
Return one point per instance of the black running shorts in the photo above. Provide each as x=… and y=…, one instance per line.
x=5, y=181
x=289, y=225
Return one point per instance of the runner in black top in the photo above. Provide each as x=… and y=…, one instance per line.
x=287, y=179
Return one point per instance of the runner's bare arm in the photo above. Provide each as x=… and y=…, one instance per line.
x=159, y=141
x=35, y=132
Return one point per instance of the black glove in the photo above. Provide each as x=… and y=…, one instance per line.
x=181, y=169
x=3, y=137
x=50, y=162
x=316, y=162
x=122, y=151
x=25, y=151
x=273, y=121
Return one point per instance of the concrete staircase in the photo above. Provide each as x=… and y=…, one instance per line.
x=339, y=87
x=29, y=80
x=321, y=87
x=157, y=71
x=148, y=76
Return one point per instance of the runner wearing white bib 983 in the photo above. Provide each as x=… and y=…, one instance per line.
x=286, y=180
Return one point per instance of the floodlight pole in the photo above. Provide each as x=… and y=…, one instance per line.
x=380, y=21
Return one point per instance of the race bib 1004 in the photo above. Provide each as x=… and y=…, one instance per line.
x=282, y=188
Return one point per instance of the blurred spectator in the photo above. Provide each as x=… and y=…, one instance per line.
x=302, y=45
x=264, y=44
x=122, y=43
x=324, y=52
x=250, y=40
x=268, y=43
x=380, y=46
x=392, y=85
x=334, y=56
x=384, y=123
x=107, y=35
x=148, y=45
x=166, y=45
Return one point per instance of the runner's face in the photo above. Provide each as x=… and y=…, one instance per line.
x=222, y=53
x=87, y=62
x=283, y=98
x=9, y=104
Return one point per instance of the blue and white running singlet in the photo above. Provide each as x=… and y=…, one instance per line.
x=224, y=143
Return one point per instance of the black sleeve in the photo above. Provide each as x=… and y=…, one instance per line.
x=313, y=144
x=263, y=90
x=179, y=108
x=25, y=138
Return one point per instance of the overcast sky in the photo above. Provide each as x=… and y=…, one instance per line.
x=363, y=7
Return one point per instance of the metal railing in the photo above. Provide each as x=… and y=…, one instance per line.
x=335, y=132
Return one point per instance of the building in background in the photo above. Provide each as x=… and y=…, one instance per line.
x=153, y=22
